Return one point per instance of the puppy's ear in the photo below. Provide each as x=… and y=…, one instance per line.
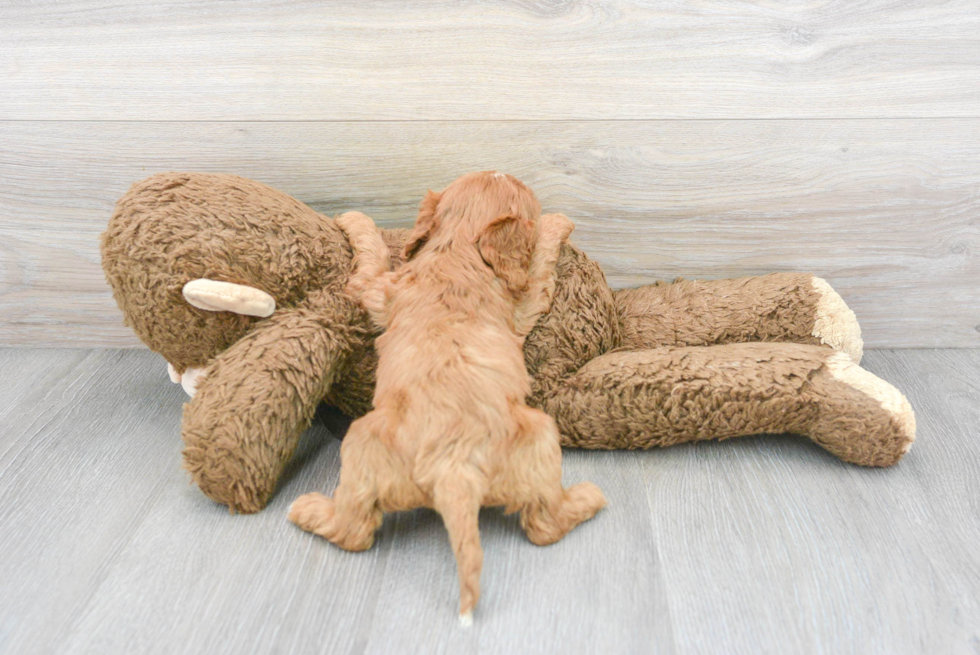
x=506, y=245
x=424, y=225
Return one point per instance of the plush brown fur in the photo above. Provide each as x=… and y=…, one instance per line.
x=660, y=364
x=449, y=428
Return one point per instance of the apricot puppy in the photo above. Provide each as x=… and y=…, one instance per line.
x=449, y=429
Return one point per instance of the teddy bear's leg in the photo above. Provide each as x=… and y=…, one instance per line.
x=795, y=307
x=665, y=396
x=368, y=469
x=530, y=480
x=258, y=397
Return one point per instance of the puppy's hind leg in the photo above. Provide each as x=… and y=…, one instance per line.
x=352, y=516
x=457, y=497
x=532, y=482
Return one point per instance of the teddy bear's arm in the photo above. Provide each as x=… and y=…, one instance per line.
x=259, y=395
x=795, y=307
x=553, y=231
x=370, y=280
x=666, y=396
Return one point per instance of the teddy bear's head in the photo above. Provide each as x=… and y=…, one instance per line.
x=176, y=228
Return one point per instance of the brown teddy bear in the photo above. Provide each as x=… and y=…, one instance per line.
x=226, y=275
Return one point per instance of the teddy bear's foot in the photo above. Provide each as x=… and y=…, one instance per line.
x=834, y=324
x=862, y=418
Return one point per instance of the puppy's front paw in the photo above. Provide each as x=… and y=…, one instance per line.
x=312, y=512
x=352, y=223
x=556, y=227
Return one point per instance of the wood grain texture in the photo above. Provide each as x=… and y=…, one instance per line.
x=887, y=211
x=523, y=59
x=67, y=415
x=749, y=546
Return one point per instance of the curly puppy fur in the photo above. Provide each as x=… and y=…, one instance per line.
x=450, y=429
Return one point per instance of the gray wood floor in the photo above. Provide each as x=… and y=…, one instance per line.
x=760, y=545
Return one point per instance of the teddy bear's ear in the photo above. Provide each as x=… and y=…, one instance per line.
x=506, y=245
x=218, y=296
x=424, y=225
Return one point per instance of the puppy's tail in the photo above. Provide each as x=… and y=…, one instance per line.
x=457, y=499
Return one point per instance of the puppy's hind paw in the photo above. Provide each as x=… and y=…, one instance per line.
x=312, y=512
x=583, y=501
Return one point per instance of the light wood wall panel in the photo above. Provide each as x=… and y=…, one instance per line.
x=356, y=60
x=886, y=210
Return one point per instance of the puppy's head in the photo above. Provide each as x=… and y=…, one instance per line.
x=493, y=212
